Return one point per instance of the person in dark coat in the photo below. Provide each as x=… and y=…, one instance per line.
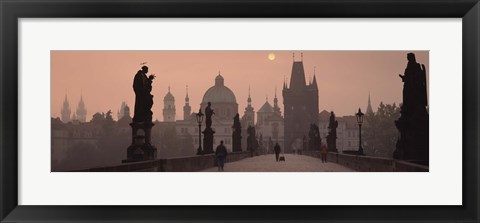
x=277, y=151
x=221, y=155
x=324, y=151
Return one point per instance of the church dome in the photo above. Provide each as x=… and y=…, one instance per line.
x=219, y=93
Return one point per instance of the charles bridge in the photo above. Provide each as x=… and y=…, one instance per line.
x=308, y=161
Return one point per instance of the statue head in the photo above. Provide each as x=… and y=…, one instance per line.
x=145, y=69
x=411, y=57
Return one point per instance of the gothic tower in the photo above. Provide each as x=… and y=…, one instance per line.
x=249, y=114
x=300, y=107
x=66, y=111
x=169, y=107
x=187, y=110
x=81, y=111
x=369, y=106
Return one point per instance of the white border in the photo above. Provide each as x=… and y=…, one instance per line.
x=442, y=186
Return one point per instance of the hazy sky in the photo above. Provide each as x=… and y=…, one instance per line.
x=345, y=78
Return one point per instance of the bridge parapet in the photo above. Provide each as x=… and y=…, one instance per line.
x=369, y=163
x=179, y=164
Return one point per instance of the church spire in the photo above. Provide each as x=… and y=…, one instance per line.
x=369, y=106
x=81, y=113
x=249, y=114
x=314, y=82
x=66, y=111
x=276, y=109
x=249, y=100
x=187, y=110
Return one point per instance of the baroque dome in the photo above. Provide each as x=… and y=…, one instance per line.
x=219, y=93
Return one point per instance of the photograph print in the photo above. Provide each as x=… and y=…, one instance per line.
x=239, y=111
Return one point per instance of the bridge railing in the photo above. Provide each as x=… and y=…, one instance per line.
x=179, y=164
x=369, y=163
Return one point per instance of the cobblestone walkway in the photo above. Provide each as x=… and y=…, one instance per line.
x=293, y=163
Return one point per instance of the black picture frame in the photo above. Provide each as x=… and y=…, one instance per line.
x=12, y=10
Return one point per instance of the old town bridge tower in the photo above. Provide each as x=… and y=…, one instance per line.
x=300, y=102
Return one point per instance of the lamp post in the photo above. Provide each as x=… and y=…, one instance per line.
x=199, y=116
x=360, y=122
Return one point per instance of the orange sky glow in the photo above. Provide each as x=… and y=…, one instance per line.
x=344, y=78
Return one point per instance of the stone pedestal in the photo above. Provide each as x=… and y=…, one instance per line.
x=141, y=148
x=413, y=144
x=332, y=143
x=237, y=142
x=208, y=141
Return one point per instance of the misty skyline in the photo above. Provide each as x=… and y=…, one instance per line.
x=344, y=78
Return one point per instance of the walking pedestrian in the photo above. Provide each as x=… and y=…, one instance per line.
x=221, y=155
x=323, y=151
x=277, y=151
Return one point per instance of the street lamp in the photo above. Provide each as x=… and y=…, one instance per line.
x=360, y=122
x=199, y=116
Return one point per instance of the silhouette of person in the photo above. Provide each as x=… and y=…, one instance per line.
x=220, y=155
x=323, y=151
x=277, y=151
x=208, y=115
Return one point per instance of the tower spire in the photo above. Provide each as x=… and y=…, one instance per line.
x=314, y=81
x=186, y=108
x=249, y=100
x=276, y=109
x=369, y=106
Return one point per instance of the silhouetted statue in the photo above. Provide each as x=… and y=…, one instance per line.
x=141, y=148
x=412, y=144
x=314, y=138
x=208, y=115
x=208, y=132
x=252, y=142
x=142, y=86
x=237, y=134
x=332, y=133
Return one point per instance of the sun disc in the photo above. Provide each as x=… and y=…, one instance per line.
x=271, y=56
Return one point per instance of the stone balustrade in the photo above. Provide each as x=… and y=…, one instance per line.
x=369, y=163
x=180, y=164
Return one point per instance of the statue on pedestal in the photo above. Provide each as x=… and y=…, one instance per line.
x=412, y=144
x=141, y=148
x=332, y=134
x=314, y=138
x=208, y=132
x=252, y=143
x=237, y=134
